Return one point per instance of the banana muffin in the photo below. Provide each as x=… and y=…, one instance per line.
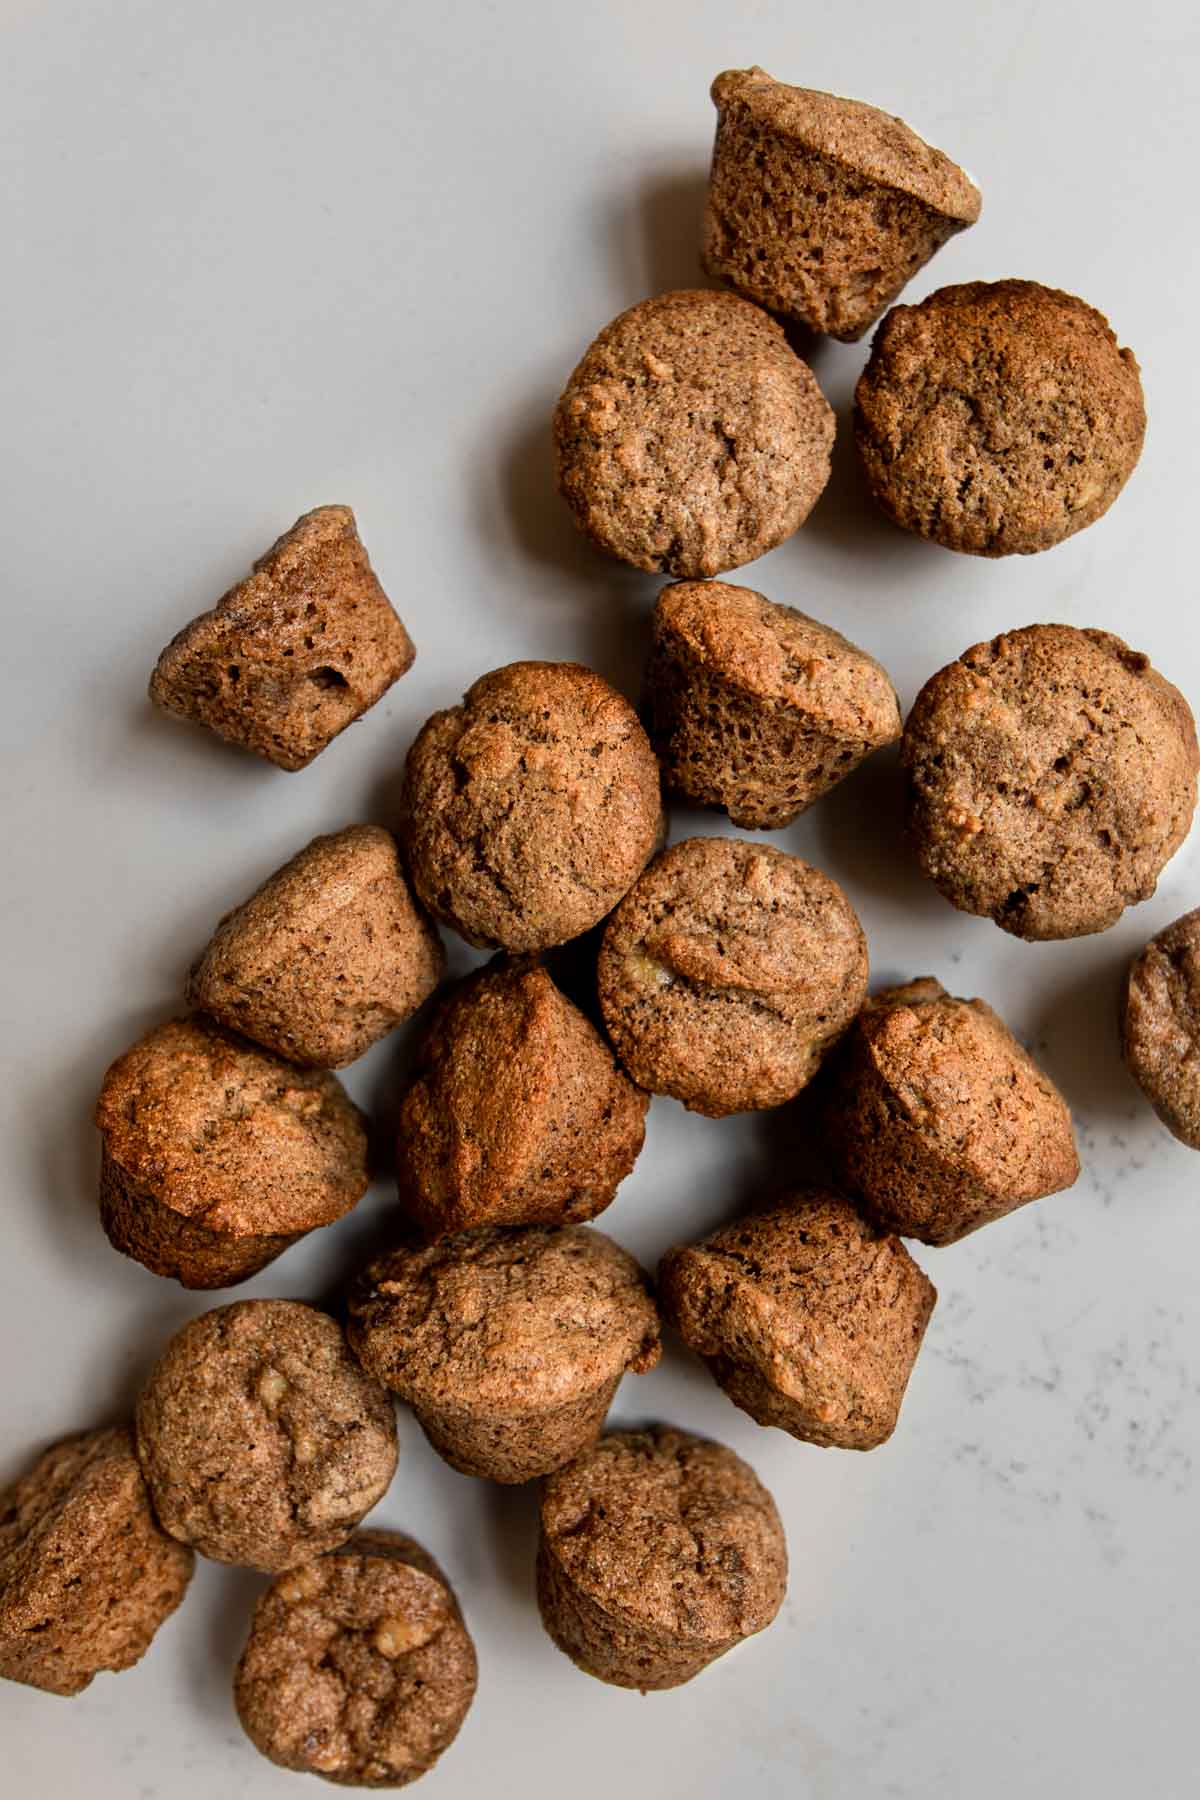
x=217, y=1156
x=358, y=1666
x=1160, y=1026
x=756, y=708
x=86, y=1574
x=531, y=808
x=937, y=1121
x=728, y=973
x=659, y=1551
x=294, y=653
x=691, y=438
x=330, y=954
x=1052, y=775
x=820, y=208
x=998, y=418
x=507, y=1344
x=807, y=1317
x=262, y=1440
x=517, y=1113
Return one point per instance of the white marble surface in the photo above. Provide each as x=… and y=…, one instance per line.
x=260, y=256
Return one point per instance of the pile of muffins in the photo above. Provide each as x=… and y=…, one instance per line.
x=1050, y=775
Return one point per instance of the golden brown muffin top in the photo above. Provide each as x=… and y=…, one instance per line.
x=871, y=142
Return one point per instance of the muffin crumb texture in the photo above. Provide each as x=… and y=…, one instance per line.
x=1052, y=775
x=507, y=1344
x=691, y=439
x=822, y=209
x=1160, y=1026
x=86, y=1574
x=756, y=708
x=807, y=1317
x=998, y=418
x=937, y=1121
x=659, y=1551
x=262, y=1440
x=329, y=955
x=358, y=1666
x=294, y=653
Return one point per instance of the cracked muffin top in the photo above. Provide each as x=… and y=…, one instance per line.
x=262, y=1441
x=937, y=1121
x=516, y=1113
x=507, y=1320
x=227, y=1134
x=358, y=1667
x=86, y=1574
x=670, y=1533
x=531, y=808
x=691, y=438
x=1052, y=775
x=728, y=972
x=326, y=957
x=998, y=417
x=807, y=1317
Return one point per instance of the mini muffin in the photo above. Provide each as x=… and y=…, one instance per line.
x=507, y=1344
x=1160, y=1026
x=822, y=208
x=326, y=957
x=937, y=1121
x=358, y=1666
x=998, y=418
x=756, y=708
x=295, y=652
x=728, y=973
x=261, y=1439
x=86, y=1575
x=531, y=808
x=659, y=1551
x=691, y=438
x=517, y=1113
x=217, y=1157
x=807, y=1317
x=1052, y=775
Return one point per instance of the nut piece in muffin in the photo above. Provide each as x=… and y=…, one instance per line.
x=217, y=1156
x=998, y=418
x=262, y=1441
x=358, y=1666
x=1052, y=775
x=727, y=974
x=807, y=1317
x=1160, y=1026
x=294, y=653
x=531, y=808
x=517, y=1113
x=691, y=438
x=86, y=1574
x=756, y=708
x=820, y=208
x=507, y=1344
x=659, y=1551
x=937, y=1121
x=326, y=957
